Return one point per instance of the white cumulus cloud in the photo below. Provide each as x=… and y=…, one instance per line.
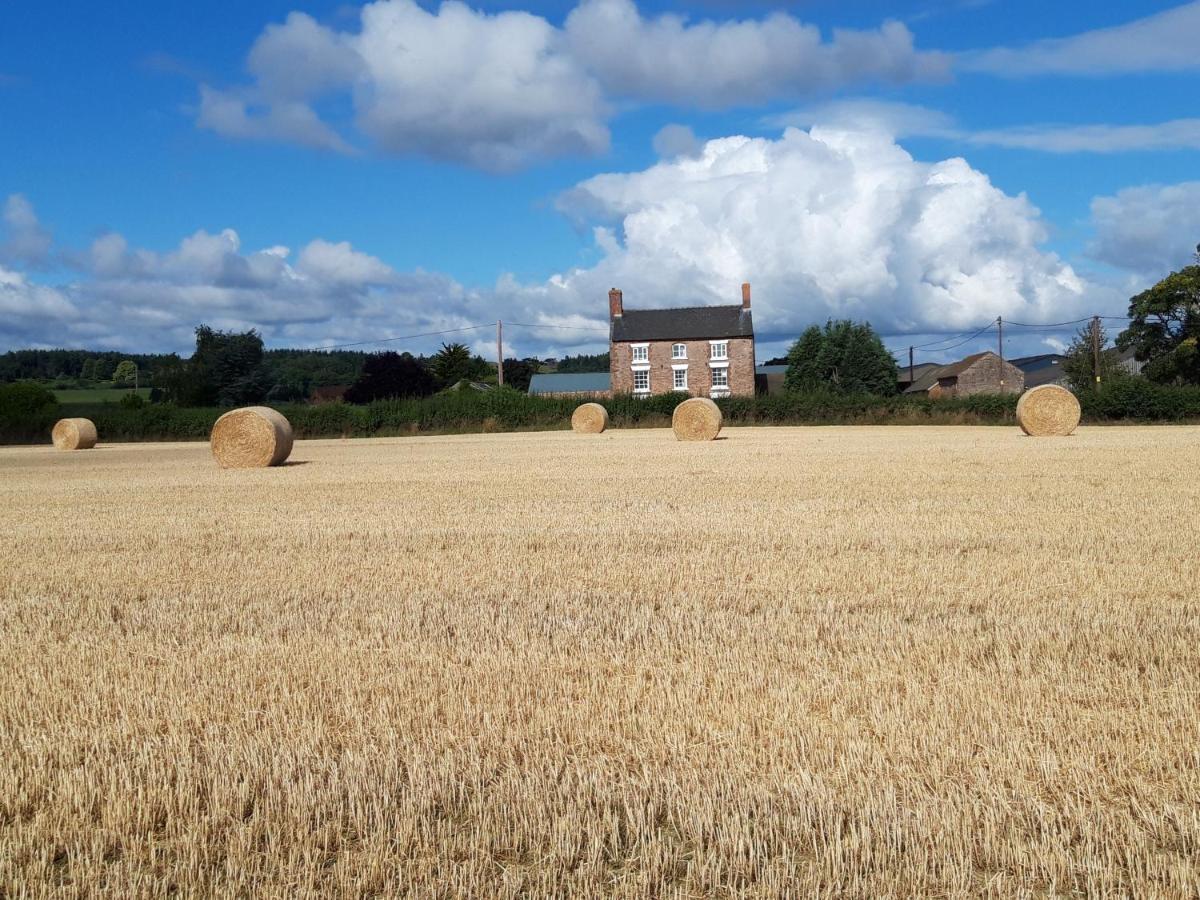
x=824, y=223
x=498, y=91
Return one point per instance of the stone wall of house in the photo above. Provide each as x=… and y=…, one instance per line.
x=984, y=377
x=699, y=373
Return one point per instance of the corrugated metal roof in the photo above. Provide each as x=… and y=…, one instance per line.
x=570, y=383
x=690, y=323
x=770, y=370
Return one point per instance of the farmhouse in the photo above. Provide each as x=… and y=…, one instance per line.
x=980, y=373
x=705, y=351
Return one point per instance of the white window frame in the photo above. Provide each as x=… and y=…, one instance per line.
x=644, y=370
x=718, y=390
x=635, y=350
x=679, y=351
x=712, y=349
x=675, y=371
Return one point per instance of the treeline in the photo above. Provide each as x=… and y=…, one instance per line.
x=28, y=420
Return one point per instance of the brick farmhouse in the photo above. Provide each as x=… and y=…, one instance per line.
x=705, y=351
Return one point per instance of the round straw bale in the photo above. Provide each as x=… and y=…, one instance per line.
x=251, y=437
x=1048, y=410
x=589, y=418
x=698, y=419
x=74, y=434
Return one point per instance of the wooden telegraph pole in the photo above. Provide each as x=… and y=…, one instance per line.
x=500, y=353
x=1096, y=349
x=910, y=365
x=1000, y=348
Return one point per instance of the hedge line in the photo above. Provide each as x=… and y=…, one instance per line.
x=508, y=410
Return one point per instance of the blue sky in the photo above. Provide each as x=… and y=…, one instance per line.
x=431, y=167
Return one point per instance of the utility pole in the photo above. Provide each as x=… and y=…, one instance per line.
x=500, y=353
x=1000, y=348
x=1096, y=349
x=910, y=365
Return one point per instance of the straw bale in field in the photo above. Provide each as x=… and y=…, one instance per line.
x=1048, y=410
x=589, y=418
x=74, y=434
x=698, y=419
x=251, y=437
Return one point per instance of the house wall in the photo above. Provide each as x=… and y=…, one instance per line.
x=984, y=377
x=741, y=367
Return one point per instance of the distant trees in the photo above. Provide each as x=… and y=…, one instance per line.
x=597, y=362
x=387, y=375
x=844, y=357
x=1164, y=328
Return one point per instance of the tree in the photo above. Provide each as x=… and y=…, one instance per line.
x=519, y=372
x=104, y=368
x=1079, y=363
x=390, y=374
x=1164, y=328
x=597, y=362
x=125, y=374
x=454, y=363
x=845, y=357
x=225, y=370
x=88, y=372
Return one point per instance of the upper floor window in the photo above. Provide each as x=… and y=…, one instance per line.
x=641, y=352
x=679, y=351
x=718, y=349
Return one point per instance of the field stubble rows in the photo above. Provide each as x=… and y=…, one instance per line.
x=806, y=662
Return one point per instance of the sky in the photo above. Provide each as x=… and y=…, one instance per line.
x=333, y=174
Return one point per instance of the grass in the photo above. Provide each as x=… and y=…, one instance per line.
x=855, y=662
x=78, y=396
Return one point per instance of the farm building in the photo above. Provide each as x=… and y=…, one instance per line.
x=706, y=351
x=1043, y=369
x=979, y=373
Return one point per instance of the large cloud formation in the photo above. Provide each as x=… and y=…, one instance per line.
x=829, y=222
x=498, y=91
x=825, y=223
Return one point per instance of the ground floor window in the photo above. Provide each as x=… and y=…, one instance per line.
x=720, y=379
x=641, y=381
x=680, y=383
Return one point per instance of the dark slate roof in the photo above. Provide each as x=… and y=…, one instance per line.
x=918, y=371
x=924, y=381
x=570, y=383
x=1029, y=364
x=689, y=323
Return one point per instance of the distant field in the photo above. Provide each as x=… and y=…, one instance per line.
x=96, y=395
x=838, y=662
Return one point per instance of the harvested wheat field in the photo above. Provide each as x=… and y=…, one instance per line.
x=851, y=662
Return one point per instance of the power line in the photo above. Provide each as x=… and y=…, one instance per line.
x=560, y=327
x=405, y=337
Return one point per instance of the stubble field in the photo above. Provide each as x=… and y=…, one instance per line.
x=856, y=662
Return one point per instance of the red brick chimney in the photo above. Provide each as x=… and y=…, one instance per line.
x=616, y=305
x=746, y=295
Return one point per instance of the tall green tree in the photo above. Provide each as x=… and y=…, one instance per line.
x=225, y=370
x=125, y=374
x=390, y=374
x=845, y=357
x=454, y=363
x=1164, y=328
x=1079, y=362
